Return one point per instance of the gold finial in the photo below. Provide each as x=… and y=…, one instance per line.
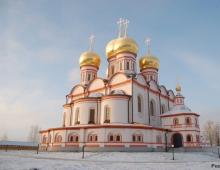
x=91, y=42
x=178, y=88
x=148, y=43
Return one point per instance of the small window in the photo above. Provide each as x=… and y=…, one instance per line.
x=112, y=69
x=189, y=138
x=127, y=65
x=118, y=138
x=111, y=138
x=120, y=65
x=77, y=116
x=188, y=121
x=107, y=114
x=89, y=77
x=152, y=108
x=139, y=103
x=175, y=121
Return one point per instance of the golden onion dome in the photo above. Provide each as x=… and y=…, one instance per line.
x=119, y=45
x=178, y=88
x=89, y=58
x=149, y=61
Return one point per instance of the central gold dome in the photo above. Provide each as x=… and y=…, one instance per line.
x=120, y=45
x=89, y=58
x=149, y=61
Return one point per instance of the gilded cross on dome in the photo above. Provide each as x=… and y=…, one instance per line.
x=148, y=44
x=126, y=22
x=120, y=27
x=91, y=42
x=123, y=27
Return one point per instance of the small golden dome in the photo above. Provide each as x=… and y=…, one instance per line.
x=178, y=88
x=149, y=61
x=120, y=45
x=89, y=58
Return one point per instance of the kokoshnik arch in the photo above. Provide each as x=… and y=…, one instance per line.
x=128, y=110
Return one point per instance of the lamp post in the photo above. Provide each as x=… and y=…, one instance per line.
x=83, y=149
x=173, y=150
x=218, y=152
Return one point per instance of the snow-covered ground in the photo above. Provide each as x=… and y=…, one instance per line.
x=28, y=160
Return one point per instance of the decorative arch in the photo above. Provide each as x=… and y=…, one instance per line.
x=58, y=138
x=97, y=82
x=120, y=92
x=92, y=137
x=171, y=94
x=78, y=89
x=153, y=85
x=163, y=90
x=117, y=78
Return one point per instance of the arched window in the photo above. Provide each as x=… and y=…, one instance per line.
x=73, y=138
x=188, y=121
x=58, y=138
x=114, y=138
x=189, y=138
x=107, y=114
x=92, y=138
x=77, y=116
x=137, y=138
x=163, y=109
x=139, y=102
x=44, y=140
x=152, y=108
x=91, y=116
x=175, y=121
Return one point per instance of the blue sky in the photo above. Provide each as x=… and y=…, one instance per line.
x=41, y=41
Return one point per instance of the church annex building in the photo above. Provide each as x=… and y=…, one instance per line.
x=128, y=110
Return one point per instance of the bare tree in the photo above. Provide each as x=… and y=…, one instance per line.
x=217, y=134
x=209, y=134
x=4, y=137
x=33, y=135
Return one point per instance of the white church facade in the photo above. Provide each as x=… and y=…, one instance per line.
x=128, y=110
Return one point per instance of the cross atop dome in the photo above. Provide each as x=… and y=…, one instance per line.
x=123, y=27
x=148, y=44
x=91, y=42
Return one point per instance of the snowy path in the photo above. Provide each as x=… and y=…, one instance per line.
x=25, y=160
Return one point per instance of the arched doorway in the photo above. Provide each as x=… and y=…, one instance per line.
x=177, y=140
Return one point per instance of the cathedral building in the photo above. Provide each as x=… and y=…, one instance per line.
x=128, y=110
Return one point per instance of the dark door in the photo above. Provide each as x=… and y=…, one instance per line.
x=177, y=140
